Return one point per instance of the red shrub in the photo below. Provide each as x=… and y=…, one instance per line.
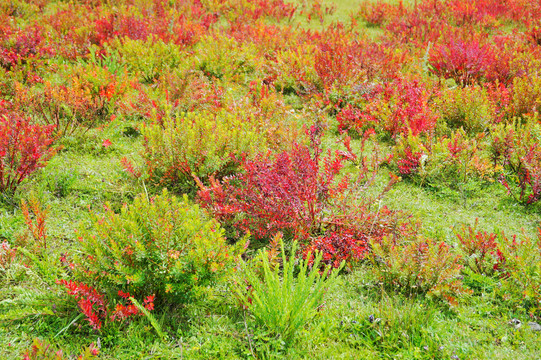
x=377, y=13
x=480, y=250
x=466, y=61
x=534, y=35
x=24, y=148
x=401, y=106
x=125, y=311
x=337, y=247
x=349, y=117
x=286, y=192
x=91, y=303
x=347, y=237
x=410, y=163
x=95, y=307
x=21, y=46
x=297, y=192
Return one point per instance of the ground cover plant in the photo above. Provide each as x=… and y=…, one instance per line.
x=270, y=179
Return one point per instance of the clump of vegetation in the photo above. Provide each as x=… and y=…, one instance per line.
x=125, y=252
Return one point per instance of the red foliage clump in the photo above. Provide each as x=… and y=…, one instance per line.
x=94, y=305
x=286, y=192
x=91, y=303
x=482, y=248
x=349, y=117
x=337, y=247
x=409, y=164
x=298, y=193
x=21, y=46
x=24, y=148
x=7, y=255
x=400, y=107
x=125, y=311
x=471, y=59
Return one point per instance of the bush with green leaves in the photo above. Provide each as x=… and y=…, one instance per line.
x=198, y=144
x=521, y=273
x=149, y=59
x=164, y=246
x=417, y=265
x=469, y=108
x=515, y=147
x=457, y=162
x=279, y=300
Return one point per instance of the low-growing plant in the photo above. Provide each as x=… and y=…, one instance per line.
x=222, y=57
x=521, y=273
x=91, y=303
x=457, y=162
x=465, y=61
x=417, y=265
x=199, y=144
x=7, y=255
x=397, y=326
x=35, y=217
x=526, y=98
x=286, y=193
x=469, y=108
x=516, y=148
x=401, y=106
x=86, y=98
x=148, y=59
x=18, y=47
x=162, y=246
x=410, y=155
x=479, y=250
x=24, y=148
x=300, y=193
x=41, y=350
x=283, y=300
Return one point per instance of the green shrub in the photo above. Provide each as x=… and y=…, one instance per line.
x=222, y=57
x=515, y=147
x=163, y=246
x=150, y=58
x=479, y=249
x=201, y=144
x=456, y=162
x=469, y=108
x=86, y=96
x=521, y=273
x=417, y=265
x=527, y=95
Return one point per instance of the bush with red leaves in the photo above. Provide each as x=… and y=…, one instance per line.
x=24, y=148
x=95, y=306
x=285, y=192
x=471, y=59
x=480, y=250
x=22, y=45
x=298, y=193
x=91, y=303
x=399, y=107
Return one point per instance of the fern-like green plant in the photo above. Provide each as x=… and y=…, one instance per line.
x=279, y=300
